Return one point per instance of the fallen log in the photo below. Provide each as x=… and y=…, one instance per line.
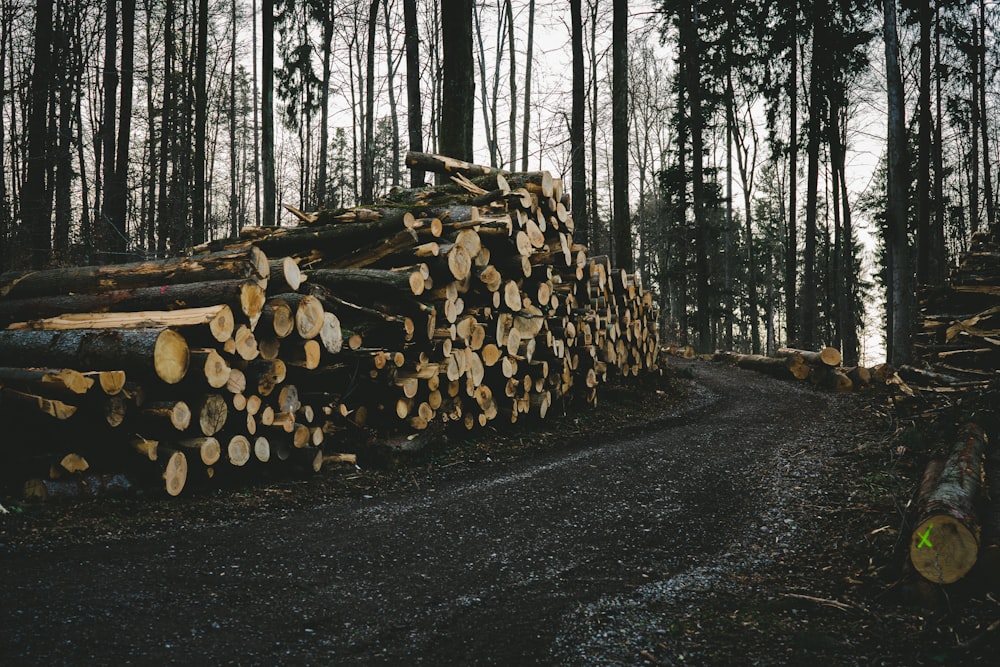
x=785, y=368
x=945, y=542
x=828, y=356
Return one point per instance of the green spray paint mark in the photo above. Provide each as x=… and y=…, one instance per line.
x=924, y=538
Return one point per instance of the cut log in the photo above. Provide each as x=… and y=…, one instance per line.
x=176, y=413
x=368, y=281
x=11, y=399
x=308, y=313
x=91, y=486
x=249, y=262
x=242, y=295
x=174, y=470
x=277, y=317
x=211, y=366
x=212, y=411
x=110, y=382
x=238, y=451
x=162, y=351
x=441, y=164
x=828, y=356
x=787, y=368
x=945, y=542
x=285, y=275
x=209, y=450
x=46, y=381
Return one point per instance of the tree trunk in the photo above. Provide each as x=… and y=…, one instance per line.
x=792, y=248
x=897, y=239
x=940, y=258
x=512, y=55
x=200, y=120
x=35, y=200
x=166, y=130
x=414, y=115
x=984, y=117
x=107, y=234
x=924, y=234
x=817, y=80
x=368, y=149
x=393, y=114
x=621, y=225
x=691, y=50
x=577, y=147
x=529, y=56
x=974, y=134
x=267, y=108
x=458, y=88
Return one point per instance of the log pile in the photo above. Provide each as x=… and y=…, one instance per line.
x=957, y=342
x=464, y=304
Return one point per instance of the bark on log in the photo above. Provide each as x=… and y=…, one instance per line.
x=945, y=542
x=828, y=356
x=11, y=399
x=46, y=381
x=93, y=486
x=219, y=318
x=787, y=368
x=245, y=296
x=160, y=351
x=176, y=413
x=208, y=449
x=247, y=262
x=441, y=164
x=368, y=281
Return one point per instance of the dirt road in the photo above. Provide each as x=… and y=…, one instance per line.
x=578, y=556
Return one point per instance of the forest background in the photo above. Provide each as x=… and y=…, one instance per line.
x=781, y=172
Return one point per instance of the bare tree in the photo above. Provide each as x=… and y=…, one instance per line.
x=528, y=57
x=901, y=295
x=36, y=202
x=619, y=113
x=368, y=150
x=579, y=183
x=458, y=85
x=414, y=119
x=267, y=109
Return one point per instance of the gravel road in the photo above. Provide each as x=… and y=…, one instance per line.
x=556, y=557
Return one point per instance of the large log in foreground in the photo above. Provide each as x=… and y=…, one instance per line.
x=945, y=542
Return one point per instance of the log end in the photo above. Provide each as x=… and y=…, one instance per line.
x=171, y=356
x=175, y=473
x=943, y=549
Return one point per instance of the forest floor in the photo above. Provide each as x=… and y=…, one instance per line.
x=726, y=518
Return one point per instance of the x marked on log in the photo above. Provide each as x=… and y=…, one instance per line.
x=924, y=538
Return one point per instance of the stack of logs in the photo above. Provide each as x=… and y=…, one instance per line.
x=466, y=303
x=821, y=368
x=957, y=342
x=956, y=376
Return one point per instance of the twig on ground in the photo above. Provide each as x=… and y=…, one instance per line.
x=836, y=604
